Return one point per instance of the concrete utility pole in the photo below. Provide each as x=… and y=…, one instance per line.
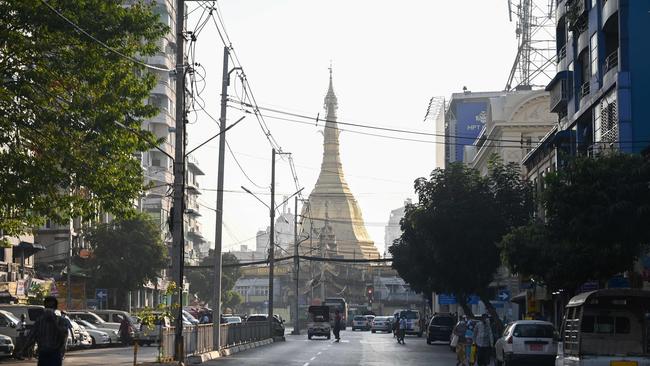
x=296, y=266
x=272, y=242
x=216, y=294
x=178, y=209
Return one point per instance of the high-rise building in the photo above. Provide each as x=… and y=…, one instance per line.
x=331, y=202
x=393, y=230
x=602, y=83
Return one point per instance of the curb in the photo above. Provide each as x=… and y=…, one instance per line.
x=204, y=357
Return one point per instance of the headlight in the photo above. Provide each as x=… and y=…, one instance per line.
x=114, y=332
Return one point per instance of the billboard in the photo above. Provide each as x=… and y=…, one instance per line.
x=470, y=118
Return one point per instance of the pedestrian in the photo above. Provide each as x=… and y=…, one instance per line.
x=125, y=331
x=395, y=325
x=461, y=342
x=205, y=319
x=50, y=332
x=470, y=353
x=484, y=340
x=402, y=328
x=337, y=326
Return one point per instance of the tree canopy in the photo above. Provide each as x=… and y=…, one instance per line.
x=126, y=253
x=202, y=280
x=596, y=214
x=62, y=152
x=449, y=237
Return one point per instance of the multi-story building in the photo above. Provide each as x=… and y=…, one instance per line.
x=465, y=116
x=393, y=231
x=515, y=123
x=603, y=79
x=17, y=267
x=194, y=240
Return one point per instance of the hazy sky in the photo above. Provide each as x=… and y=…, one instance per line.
x=389, y=59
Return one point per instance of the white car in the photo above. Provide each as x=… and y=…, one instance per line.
x=360, y=322
x=232, y=319
x=527, y=341
x=113, y=336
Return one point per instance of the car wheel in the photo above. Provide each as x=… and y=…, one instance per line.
x=374, y=331
x=429, y=341
x=309, y=336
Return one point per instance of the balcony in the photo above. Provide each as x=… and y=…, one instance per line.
x=610, y=8
x=559, y=92
x=561, y=54
x=583, y=41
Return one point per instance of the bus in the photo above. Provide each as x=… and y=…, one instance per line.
x=337, y=303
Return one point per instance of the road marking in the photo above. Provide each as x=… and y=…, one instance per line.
x=313, y=358
x=318, y=353
x=306, y=364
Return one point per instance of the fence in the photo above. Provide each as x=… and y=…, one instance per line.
x=199, y=339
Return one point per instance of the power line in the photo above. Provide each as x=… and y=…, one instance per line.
x=78, y=28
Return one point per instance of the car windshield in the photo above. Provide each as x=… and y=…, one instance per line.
x=256, y=318
x=11, y=317
x=443, y=320
x=533, y=331
x=409, y=314
x=86, y=324
x=359, y=318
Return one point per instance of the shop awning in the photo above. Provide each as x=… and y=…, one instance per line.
x=520, y=297
x=26, y=248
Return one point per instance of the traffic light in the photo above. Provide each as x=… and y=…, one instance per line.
x=370, y=293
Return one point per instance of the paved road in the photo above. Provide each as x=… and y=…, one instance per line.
x=115, y=356
x=356, y=348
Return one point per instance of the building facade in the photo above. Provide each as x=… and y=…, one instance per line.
x=393, y=231
x=603, y=80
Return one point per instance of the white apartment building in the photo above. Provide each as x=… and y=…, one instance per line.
x=392, y=230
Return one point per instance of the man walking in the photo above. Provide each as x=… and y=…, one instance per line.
x=484, y=340
x=402, y=329
x=337, y=326
x=51, y=333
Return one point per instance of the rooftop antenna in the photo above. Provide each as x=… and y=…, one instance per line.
x=534, y=65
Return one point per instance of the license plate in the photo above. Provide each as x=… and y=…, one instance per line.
x=623, y=363
x=539, y=347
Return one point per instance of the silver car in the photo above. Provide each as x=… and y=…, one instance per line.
x=381, y=324
x=113, y=336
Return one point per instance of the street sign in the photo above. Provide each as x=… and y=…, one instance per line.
x=446, y=299
x=503, y=295
x=101, y=294
x=473, y=300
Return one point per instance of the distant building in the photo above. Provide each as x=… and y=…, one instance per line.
x=515, y=123
x=436, y=117
x=393, y=230
x=465, y=117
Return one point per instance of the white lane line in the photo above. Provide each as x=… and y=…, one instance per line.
x=306, y=364
x=318, y=353
x=313, y=358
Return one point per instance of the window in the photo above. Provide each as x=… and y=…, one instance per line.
x=605, y=325
x=594, y=54
x=533, y=331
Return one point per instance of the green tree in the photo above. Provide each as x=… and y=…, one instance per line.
x=449, y=238
x=596, y=223
x=62, y=153
x=202, y=280
x=126, y=254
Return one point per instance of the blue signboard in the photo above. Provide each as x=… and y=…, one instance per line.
x=503, y=295
x=446, y=299
x=618, y=282
x=473, y=300
x=470, y=118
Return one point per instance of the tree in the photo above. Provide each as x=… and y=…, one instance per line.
x=62, y=94
x=449, y=238
x=127, y=254
x=596, y=223
x=202, y=280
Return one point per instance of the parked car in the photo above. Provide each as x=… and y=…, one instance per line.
x=527, y=341
x=360, y=322
x=116, y=316
x=440, y=327
x=148, y=334
x=606, y=327
x=381, y=324
x=6, y=345
x=9, y=325
x=113, y=336
x=31, y=312
x=93, y=318
x=97, y=337
x=278, y=323
x=319, y=322
x=232, y=319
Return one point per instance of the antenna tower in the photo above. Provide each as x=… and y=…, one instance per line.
x=534, y=65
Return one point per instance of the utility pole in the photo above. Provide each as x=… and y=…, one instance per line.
x=216, y=294
x=296, y=266
x=68, y=299
x=178, y=209
x=272, y=242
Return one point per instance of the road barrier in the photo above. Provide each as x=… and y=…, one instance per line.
x=198, y=339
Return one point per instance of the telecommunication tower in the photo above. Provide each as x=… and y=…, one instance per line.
x=534, y=65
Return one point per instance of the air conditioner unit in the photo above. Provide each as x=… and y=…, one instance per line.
x=13, y=276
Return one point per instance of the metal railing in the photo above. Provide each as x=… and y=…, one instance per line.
x=611, y=61
x=199, y=339
x=561, y=55
x=585, y=89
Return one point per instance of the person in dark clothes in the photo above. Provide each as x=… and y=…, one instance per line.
x=50, y=332
x=337, y=326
